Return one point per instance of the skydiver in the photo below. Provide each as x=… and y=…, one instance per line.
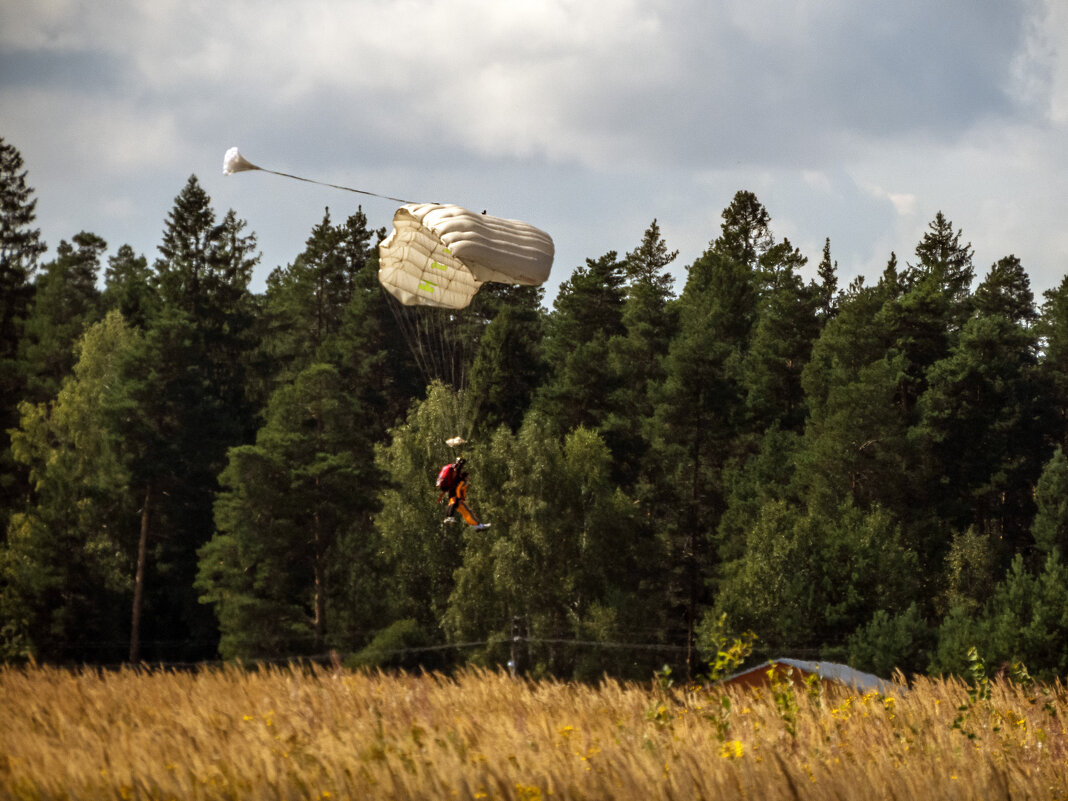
x=452, y=481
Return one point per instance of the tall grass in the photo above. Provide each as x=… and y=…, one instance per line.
x=282, y=733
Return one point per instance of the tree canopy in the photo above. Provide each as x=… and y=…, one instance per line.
x=191, y=468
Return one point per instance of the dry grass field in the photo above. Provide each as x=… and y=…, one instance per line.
x=314, y=733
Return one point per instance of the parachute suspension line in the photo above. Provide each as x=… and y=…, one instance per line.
x=446, y=345
x=407, y=325
x=433, y=343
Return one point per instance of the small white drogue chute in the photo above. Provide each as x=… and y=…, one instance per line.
x=233, y=162
x=439, y=255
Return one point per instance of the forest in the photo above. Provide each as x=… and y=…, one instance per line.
x=191, y=471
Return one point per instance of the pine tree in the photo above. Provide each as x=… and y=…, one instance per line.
x=587, y=313
x=128, y=287
x=287, y=502
x=699, y=414
x=982, y=418
x=507, y=370
x=191, y=404
x=650, y=321
x=854, y=435
x=65, y=302
x=782, y=341
x=746, y=233
x=20, y=249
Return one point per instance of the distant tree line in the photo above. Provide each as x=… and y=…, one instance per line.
x=872, y=473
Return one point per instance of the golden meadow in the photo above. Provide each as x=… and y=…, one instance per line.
x=318, y=733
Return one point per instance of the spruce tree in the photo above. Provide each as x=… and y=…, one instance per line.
x=782, y=340
x=1052, y=328
x=698, y=417
x=65, y=302
x=128, y=287
x=306, y=302
x=982, y=414
x=650, y=321
x=191, y=405
x=507, y=370
x=826, y=291
x=587, y=313
x=20, y=248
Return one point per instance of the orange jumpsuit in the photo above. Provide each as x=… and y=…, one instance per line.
x=458, y=503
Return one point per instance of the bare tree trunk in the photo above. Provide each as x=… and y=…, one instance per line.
x=320, y=580
x=139, y=579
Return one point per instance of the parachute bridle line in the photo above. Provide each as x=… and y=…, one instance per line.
x=233, y=162
x=335, y=186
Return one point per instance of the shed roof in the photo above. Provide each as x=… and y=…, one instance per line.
x=827, y=671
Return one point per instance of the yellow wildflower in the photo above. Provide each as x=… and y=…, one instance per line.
x=732, y=749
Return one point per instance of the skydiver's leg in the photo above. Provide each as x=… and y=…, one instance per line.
x=450, y=513
x=467, y=514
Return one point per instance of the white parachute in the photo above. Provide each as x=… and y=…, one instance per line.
x=434, y=262
x=439, y=255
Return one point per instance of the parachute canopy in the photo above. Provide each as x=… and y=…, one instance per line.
x=439, y=255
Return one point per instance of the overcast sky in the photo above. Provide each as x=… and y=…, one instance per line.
x=850, y=119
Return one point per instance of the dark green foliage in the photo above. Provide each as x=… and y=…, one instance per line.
x=65, y=568
x=587, y=313
x=402, y=644
x=826, y=292
x=980, y=427
x=781, y=343
x=65, y=302
x=746, y=233
x=287, y=503
x=650, y=321
x=892, y=642
x=753, y=480
x=508, y=369
x=20, y=248
x=1052, y=328
x=306, y=302
x=1050, y=527
x=128, y=287
x=1025, y=620
x=809, y=580
x=872, y=472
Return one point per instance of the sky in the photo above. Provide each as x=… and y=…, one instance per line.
x=851, y=120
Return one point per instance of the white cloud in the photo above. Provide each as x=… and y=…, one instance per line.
x=29, y=25
x=109, y=135
x=853, y=120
